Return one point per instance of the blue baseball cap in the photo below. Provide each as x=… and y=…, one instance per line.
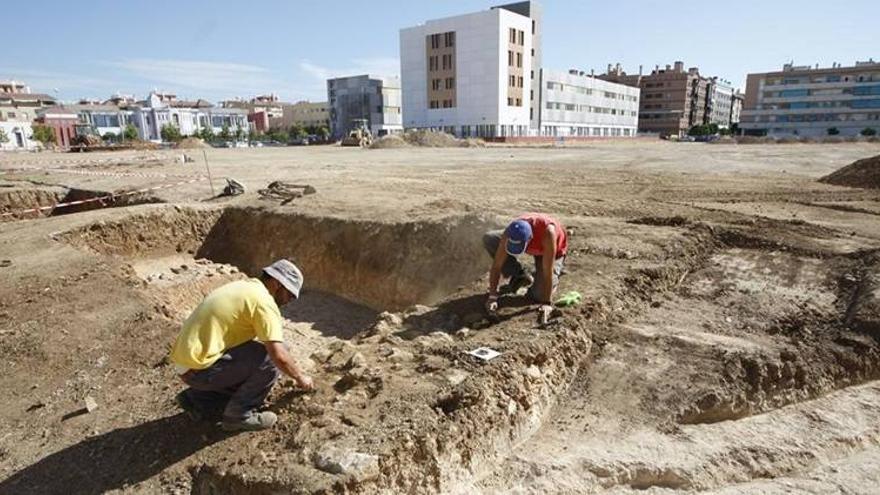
x=519, y=233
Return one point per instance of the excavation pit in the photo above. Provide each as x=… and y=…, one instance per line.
x=381, y=266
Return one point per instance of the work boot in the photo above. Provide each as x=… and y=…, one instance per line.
x=516, y=283
x=194, y=412
x=254, y=422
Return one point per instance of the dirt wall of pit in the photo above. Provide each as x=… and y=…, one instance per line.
x=382, y=265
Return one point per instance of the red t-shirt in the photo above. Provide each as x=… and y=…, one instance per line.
x=539, y=223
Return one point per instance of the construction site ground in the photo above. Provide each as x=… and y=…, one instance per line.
x=728, y=340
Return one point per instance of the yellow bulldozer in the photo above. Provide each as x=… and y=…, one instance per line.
x=359, y=135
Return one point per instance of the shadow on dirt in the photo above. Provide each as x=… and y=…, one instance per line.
x=115, y=459
x=468, y=311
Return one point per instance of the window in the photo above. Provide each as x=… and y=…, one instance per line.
x=434, y=104
x=519, y=59
x=509, y=101
x=450, y=82
x=510, y=58
x=435, y=41
x=522, y=38
x=512, y=81
x=519, y=81
x=533, y=27
x=512, y=36
x=449, y=39
x=435, y=84
x=11, y=115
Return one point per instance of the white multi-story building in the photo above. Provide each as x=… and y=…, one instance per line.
x=719, y=103
x=190, y=117
x=578, y=105
x=469, y=75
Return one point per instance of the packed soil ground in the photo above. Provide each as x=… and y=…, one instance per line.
x=728, y=340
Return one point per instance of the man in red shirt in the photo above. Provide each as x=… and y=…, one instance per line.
x=539, y=235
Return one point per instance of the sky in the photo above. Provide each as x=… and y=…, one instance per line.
x=223, y=49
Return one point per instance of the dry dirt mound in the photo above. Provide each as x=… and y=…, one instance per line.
x=143, y=145
x=433, y=139
x=191, y=144
x=389, y=141
x=863, y=173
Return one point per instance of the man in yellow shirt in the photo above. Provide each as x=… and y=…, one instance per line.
x=231, y=348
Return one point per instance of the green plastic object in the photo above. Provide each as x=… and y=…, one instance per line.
x=572, y=298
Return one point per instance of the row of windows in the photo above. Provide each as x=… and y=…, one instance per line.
x=437, y=104
x=831, y=78
x=448, y=39
x=435, y=63
x=510, y=58
x=589, y=91
x=437, y=84
x=516, y=37
x=570, y=107
x=803, y=105
x=515, y=81
x=821, y=117
x=587, y=131
x=514, y=102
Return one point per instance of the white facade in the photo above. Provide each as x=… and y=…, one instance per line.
x=156, y=113
x=719, y=103
x=481, y=80
x=19, y=136
x=573, y=104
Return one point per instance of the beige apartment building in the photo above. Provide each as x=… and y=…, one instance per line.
x=810, y=101
x=672, y=99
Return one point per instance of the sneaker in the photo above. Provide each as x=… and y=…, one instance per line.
x=189, y=407
x=516, y=283
x=255, y=422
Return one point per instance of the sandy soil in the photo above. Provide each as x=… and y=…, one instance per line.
x=728, y=341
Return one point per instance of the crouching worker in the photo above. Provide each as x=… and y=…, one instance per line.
x=231, y=347
x=539, y=235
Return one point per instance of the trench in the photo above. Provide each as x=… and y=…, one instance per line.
x=355, y=269
x=14, y=201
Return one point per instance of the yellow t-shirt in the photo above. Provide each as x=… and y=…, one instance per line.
x=231, y=315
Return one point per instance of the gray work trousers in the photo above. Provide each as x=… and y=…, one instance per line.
x=512, y=267
x=241, y=380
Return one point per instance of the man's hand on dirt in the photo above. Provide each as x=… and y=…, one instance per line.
x=305, y=383
x=545, y=312
x=492, y=304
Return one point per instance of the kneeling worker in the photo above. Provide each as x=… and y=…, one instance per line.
x=231, y=347
x=539, y=235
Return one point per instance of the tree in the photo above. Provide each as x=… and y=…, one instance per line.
x=170, y=133
x=253, y=135
x=869, y=131
x=130, y=133
x=110, y=137
x=833, y=131
x=297, y=131
x=43, y=134
x=323, y=132
x=239, y=133
x=207, y=134
x=277, y=134
x=3, y=137
x=224, y=133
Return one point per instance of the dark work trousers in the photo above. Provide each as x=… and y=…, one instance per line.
x=241, y=379
x=513, y=268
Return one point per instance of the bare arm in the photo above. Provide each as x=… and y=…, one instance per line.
x=285, y=362
x=547, y=259
x=495, y=272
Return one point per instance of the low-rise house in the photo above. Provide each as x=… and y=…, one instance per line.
x=18, y=109
x=63, y=121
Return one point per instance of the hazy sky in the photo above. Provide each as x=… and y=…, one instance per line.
x=225, y=48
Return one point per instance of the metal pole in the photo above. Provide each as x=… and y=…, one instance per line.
x=210, y=180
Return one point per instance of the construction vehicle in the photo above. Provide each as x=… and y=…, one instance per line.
x=359, y=135
x=86, y=137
